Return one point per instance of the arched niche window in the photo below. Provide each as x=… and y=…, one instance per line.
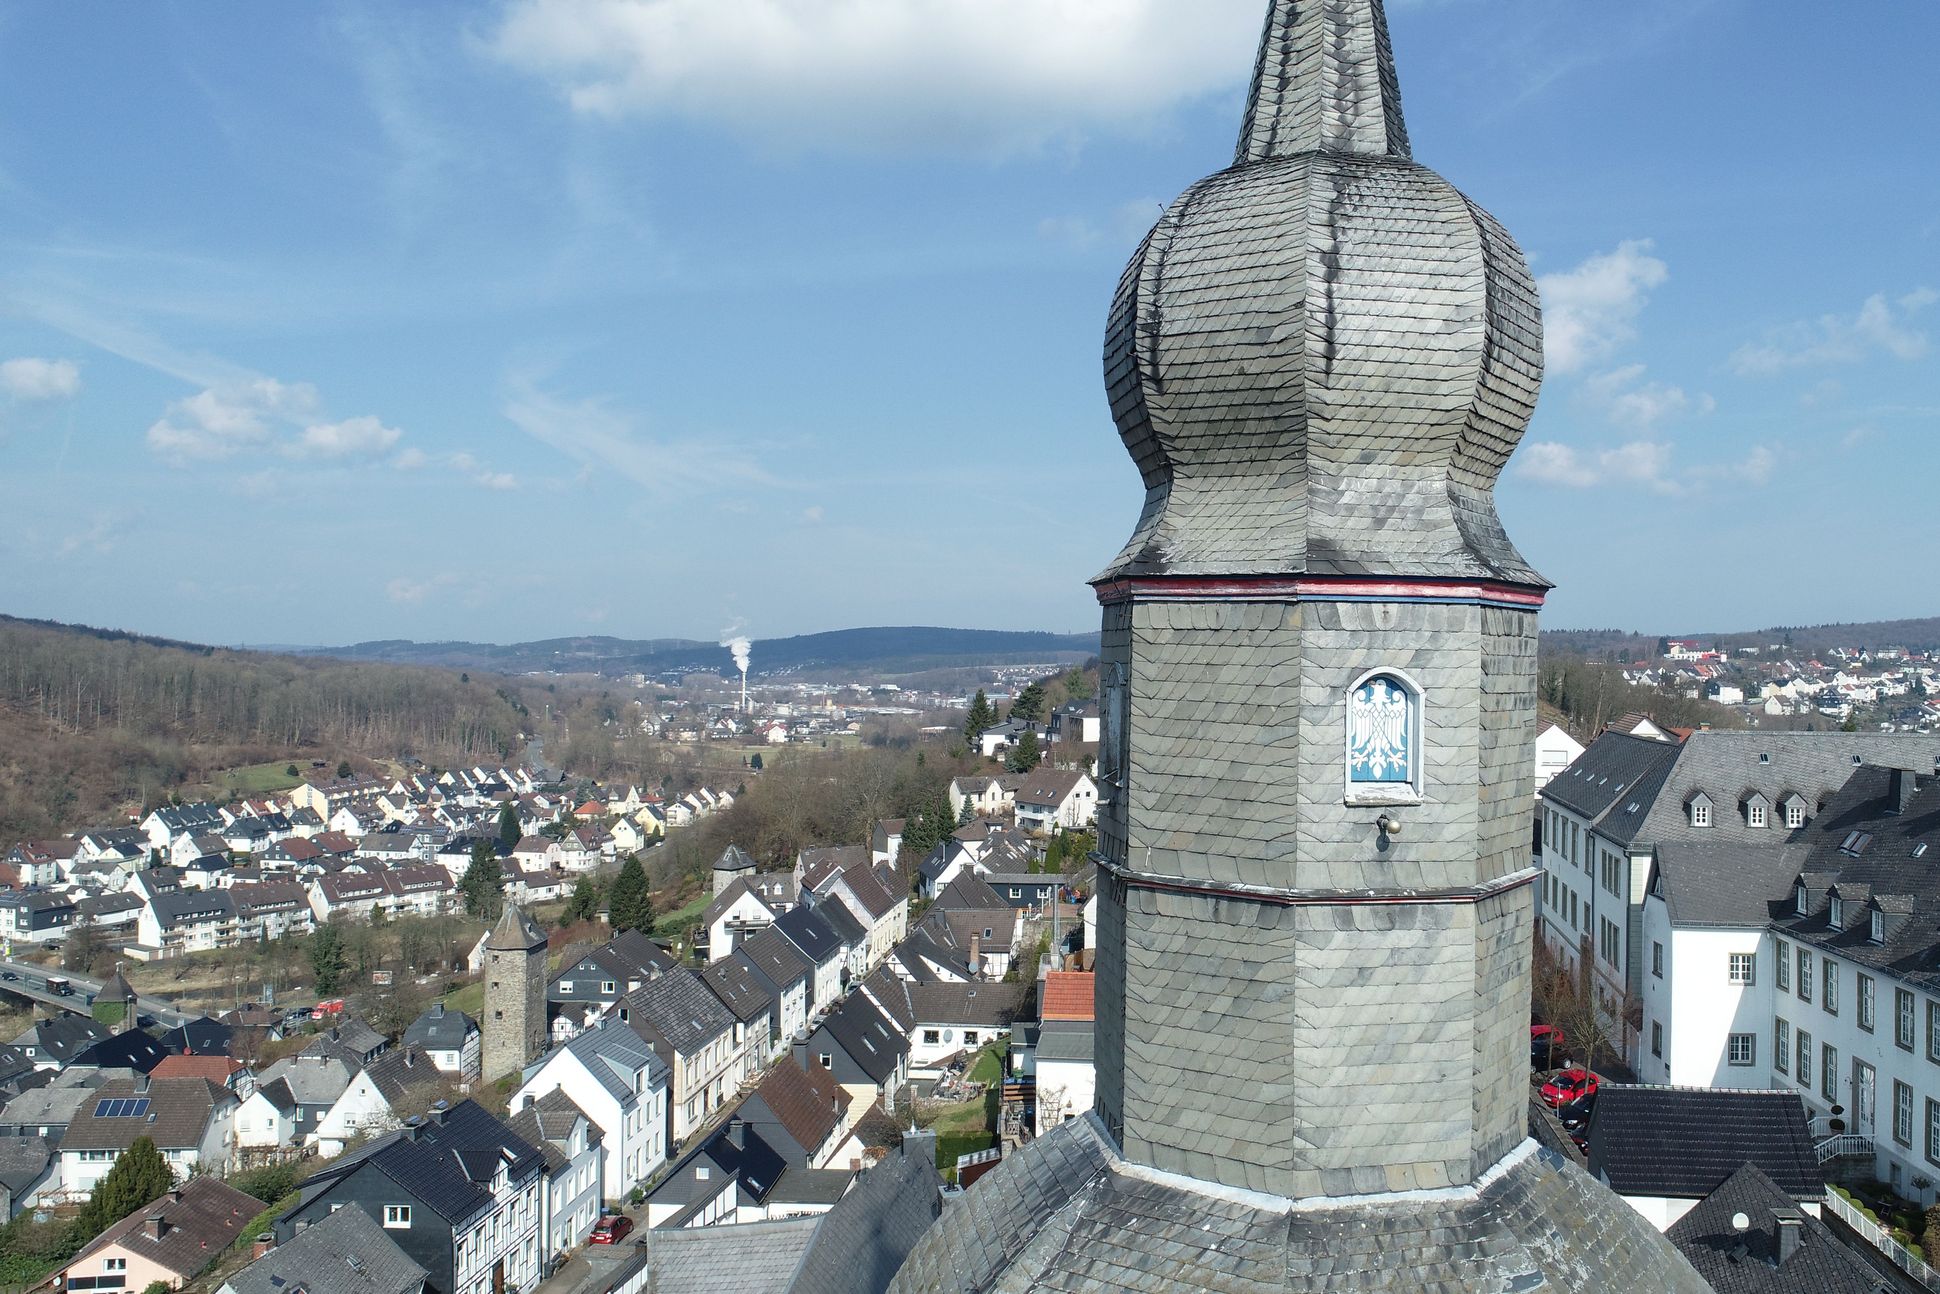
x=1383, y=761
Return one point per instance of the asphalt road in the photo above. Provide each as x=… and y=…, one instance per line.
x=32, y=984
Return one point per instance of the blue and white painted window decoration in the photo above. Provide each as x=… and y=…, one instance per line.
x=1383, y=735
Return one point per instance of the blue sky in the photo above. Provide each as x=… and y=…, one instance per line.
x=651, y=317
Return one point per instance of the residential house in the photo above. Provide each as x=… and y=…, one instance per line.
x=378, y=1097
x=1556, y=750
x=191, y=1121
x=187, y=920
x=28, y=1166
x=37, y=864
x=351, y=894
x=1663, y=1149
x=886, y=841
x=868, y=1055
x=790, y=976
x=290, y=1101
x=1056, y=799
x=880, y=902
x=615, y=1077
x=987, y=795
x=48, y=1110
x=570, y=1142
x=35, y=916
x=53, y=1043
x=345, y=1252
x=1061, y=1059
x=955, y=1018
x=459, y=1192
x=1750, y=1234
x=449, y=1038
x=169, y=1242
x=746, y=994
x=805, y=1115
x=733, y=915
x=819, y=945
x=695, y=1036
x=1024, y=889
x=588, y=988
x=170, y=822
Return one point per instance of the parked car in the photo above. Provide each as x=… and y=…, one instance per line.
x=611, y=1229
x=1544, y=1041
x=1568, y=1085
x=1575, y=1115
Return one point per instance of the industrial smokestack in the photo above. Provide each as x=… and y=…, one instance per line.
x=739, y=645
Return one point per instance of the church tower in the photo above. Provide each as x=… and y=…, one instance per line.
x=514, y=1026
x=1315, y=898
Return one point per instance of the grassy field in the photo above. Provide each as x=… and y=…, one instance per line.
x=674, y=925
x=258, y=779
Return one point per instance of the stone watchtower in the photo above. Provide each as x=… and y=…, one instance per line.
x=513, y=1030
x=1319, y=655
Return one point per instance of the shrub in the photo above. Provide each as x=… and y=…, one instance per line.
x=1930, y=1234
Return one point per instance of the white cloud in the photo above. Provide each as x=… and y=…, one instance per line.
x=459, y=464
x=1639, y=405
x=219, y=422
x=1127, y=223
x=989, y=77
x=1882, y=326
x=100, y=537
x=604, y=439
x=29, y=378
x=1591, y=310
x=363, y=437
x=814, y=515
x=408, y=592
x=1641, y=463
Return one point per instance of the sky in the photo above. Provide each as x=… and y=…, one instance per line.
x=330, y=322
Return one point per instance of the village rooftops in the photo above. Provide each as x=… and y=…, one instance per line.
x=183, y=1232
x=447, y=1160
x=1683, y=1142
x=174, y=1113
x=345, y=1253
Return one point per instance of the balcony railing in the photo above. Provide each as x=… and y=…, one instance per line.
x=1877, y=1236
x=1845, y=1145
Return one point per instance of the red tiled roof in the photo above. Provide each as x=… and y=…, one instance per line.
x=1068, y=996
x=216, y=1069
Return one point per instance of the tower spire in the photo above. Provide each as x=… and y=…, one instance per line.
x=1324, y=80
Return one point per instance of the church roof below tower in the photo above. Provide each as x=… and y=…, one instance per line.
x=1067, y=1214
x=516, y=931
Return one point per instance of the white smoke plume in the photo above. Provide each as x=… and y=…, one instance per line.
x=739, y=645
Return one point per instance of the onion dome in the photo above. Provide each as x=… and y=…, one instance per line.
x=1322, y=357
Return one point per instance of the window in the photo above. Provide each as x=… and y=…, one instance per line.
x=1829, y=1072
x=1609, y=934
x=700, y=1172
x=1795, y=814
x=1781, y=1045
x=1016, y=893
x=1743, y=1048
x=1902, y=1113
x=969, y=1037
x=608, y=986
x=1804, y=1074
x=1903, y=1019
x=1805, y=976
x=1933, y=1030
x=1933, y=1131
x=1755, y=813
x=1876, y=927
x=1798, y=898
x=1829, y=994
x=1742, y=967
x=1382, y=759
x=1866, y=1003
x=931, y=1038
x=397, y=1215
x=1657, y=1039
x=114, y=1264
x=1657, y=959
x=1835, y=912
x=1700, y=813
x=828, y=1061
x=1784, y=964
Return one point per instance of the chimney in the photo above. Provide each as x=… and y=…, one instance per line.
x=1791, y=1229
x=155, y=1227
x=976, y=954
x=413, y=1126
x=1904, y=786
x=439, y=1110
x=737, y=1133
x=798, y=1047
x=263, y=1244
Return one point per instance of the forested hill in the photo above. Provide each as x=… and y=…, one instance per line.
x=888, y=650
x=92, y=720
x=1803, y=641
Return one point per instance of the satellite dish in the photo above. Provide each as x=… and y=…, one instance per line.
x=1739, y=1222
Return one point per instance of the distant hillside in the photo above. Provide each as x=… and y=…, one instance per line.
x=895, y=650
x=1920, y=635
x=93, y=721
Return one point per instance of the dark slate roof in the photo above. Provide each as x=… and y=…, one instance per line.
x=811, y=934
x=776, y=958
x=892, y=996
x=734, y=859
x=1727, y=884
x=199, y=1037
x=439, y=1029
x=837, y=916
x=401, y=1071
x=130, y=1049
x=968, y=891
x=613, y=1054
x=1613, y=766
x=720, y=903
x=635, y=955
x=1683, y=1142
x=734, y=980
x=548, y=1122
x=1069, y=1040
x=867, y=1036
x=867, y=1236
x=973, y=1002
x=516, y=931
x=61, y=1038
x=23, y=1160
x=344, y=1253
x=746, y=1258
x=680, y=1009
x=1746, y=1262
x=820, y=862
x=1063, y=1213
x=1890, y=871
x=446, y=1162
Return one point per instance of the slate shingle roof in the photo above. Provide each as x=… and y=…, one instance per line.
x=867, y=1036
x=440, y=1029
x=861, y=1242
x=446, y=1163
x=974, y=1002
x=344, y=1253
x=750, y=1258
x=1746, y=1262
x=1683, y=1142
x=1728, y=884
x=738, y=985
x=199, y=1221
x=613, y=1054
x=178, y=1113
x=680, y=1009
x=812, y=936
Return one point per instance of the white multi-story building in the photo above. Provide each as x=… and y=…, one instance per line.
x=615, y=1077
x=1813, y=964
x=1604, y=817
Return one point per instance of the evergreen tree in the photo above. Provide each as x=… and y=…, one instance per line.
x=969, y=814
x=327, y=957
x=140, y=1176
x=509, y=832
x=1025, y=755
x=629, y=903
x=343, y=768
x=1029, y=705
x=585, y=902
x=483, y=884
x=981, y=717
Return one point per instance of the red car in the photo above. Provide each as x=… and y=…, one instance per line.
x=1569, y=1085
x=1545, y=1040
x=611, y=1229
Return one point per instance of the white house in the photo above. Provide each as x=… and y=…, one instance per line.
x=191, y=1121
x=575, y=1160
x=615, y=1077
x=1556, y=750
x=376, y=1098
x=1049, y=799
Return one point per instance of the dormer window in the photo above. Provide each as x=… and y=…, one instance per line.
x=1794, y=812
x=1699, y=807
x=1798, y=898
x=1877, y=932
x=1835, y=912
x=1757, y=810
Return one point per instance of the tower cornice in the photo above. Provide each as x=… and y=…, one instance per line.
x=1320, y=588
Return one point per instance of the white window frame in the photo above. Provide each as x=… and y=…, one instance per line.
x=1741, y=1049
x=397, y=1217
x=1742, y=969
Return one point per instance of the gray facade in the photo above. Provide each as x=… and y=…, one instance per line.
x=514, y=1027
